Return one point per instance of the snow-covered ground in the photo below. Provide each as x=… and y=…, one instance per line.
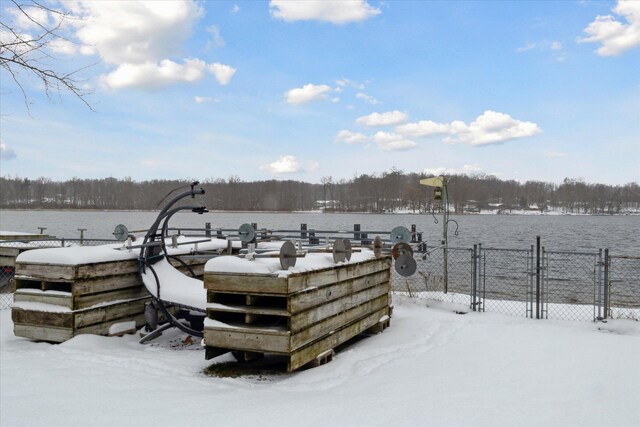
x=431, y=367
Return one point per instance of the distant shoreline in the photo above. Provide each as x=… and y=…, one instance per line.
x=518, y=212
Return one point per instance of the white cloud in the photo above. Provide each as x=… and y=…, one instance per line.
x=313, y=166
x=336, y=12
x=285, y=164
x=216, y=38
x=223, y=73
x=465, y=170
x=6, y=152
x=307, y=93
x=344, y=82
x=489, y=128
x=136, y=32
x=150, y=75
x=389, y=118
x=553, y=154
x=367, y=98
x=388, y=141
x=423, y=128
x=527, y=47
x=140, y=39
x=235, y=9
x=349, y=137
x=555, y=47
x=615, y=37
x=202, y=99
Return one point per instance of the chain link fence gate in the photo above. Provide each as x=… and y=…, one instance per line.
x=622, y=286
x=532, y=282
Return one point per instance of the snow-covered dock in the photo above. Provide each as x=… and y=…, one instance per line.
x=302, y=313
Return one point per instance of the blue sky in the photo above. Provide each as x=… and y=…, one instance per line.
x=301, y=90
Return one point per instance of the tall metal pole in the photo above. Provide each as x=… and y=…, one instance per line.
x=445, y=238
x=537, y=277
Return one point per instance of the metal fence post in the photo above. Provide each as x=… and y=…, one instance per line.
x=356, y=229
x=606, y=283
x=303, y=231
x=207, y=229
x=537, y=277
x=474, y=273
x=597, y=309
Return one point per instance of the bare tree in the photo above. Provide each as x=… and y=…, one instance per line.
x=25, y=56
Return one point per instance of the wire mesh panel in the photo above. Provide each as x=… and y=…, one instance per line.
x=624, y=288
x=6, y=277
x=571, y=285
x=432, y=281
x=506, y=280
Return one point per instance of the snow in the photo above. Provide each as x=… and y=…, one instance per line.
x=271, y=266
x=78, y=255
x=431, y=367
x=175, y=286
x=122, y=327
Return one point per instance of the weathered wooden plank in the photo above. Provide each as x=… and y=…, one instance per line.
x=317, y=296
x=22, y=295
x=307, y=318
x=248, y=309
x=245, y=283
x=42, y=333
x=7, y=261
x=307, y=354
x=89, y=300
x=330, y=324
x=240, y=340
x=103, y=328
x=42, y=318
x=102, y=269
x=105, y=284
x=109, y=313
x=9, y=252
x=339, y=273
x=45, y=271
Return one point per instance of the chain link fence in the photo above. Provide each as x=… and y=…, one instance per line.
x=621, y=297
x=430, y=282
x=530, y=283
x=533, y=282
x=10, y=249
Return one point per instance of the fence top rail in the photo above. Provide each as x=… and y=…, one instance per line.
x=624, y=257
x=570, y=253
x=506, y=249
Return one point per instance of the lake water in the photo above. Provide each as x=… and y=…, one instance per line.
x=621, y=234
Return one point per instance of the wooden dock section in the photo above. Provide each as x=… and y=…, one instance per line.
x=303, y=315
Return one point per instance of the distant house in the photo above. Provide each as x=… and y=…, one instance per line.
x=327, y=205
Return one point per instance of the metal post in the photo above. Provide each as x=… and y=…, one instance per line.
x=207, y=229
x=82, y=230
x=303, y=231
x=42, y=229
x=474, y=274
x=537, y=277
x=356, y=229
x=598, y=289
x=606, y=283
x=413, y=233
x=219, y=233
x=445, y=238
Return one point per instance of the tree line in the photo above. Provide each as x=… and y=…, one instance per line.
x=386, y=192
